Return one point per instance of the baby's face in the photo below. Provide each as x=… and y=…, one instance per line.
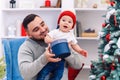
x=66, y=23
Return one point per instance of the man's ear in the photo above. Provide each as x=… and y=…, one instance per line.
x=27, y=32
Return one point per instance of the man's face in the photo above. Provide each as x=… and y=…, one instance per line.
x=37, y=29
x=66, y=23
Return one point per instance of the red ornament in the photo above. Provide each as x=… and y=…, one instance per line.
x=91, y=66
x=47, y=3
x=112, y=66
x=101, y=56
x=112, y=3
x=104, y=24
x=115, y=20
x=118, y=59
x=23, y=32
x=103, y=77
x=108, y=37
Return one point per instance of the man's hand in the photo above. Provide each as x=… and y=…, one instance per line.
x=50, y=56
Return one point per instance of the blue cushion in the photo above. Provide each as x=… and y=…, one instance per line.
x=11, y=47
x=8, y=59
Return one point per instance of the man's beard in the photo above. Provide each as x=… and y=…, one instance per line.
x=42, y=36
x=37, y=39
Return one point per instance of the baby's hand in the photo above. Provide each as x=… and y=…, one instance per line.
x=83, y=52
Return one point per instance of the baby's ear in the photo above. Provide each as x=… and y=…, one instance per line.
x=57, y=26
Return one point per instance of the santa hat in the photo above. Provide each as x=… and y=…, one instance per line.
x=68, y=13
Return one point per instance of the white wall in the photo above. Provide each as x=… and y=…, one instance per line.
x=1, y=30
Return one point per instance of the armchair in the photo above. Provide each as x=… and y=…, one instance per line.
x=10, y=48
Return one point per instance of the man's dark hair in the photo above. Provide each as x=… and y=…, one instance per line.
x=28, y=19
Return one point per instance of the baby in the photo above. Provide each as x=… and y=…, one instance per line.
x=66, y=23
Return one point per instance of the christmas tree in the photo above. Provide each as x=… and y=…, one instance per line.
x=2, y=68
x=107, y=66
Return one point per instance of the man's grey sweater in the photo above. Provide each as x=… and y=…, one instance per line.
x=31, y=59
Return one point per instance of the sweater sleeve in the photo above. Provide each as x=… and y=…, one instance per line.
x=74, y=60
x=29, y=67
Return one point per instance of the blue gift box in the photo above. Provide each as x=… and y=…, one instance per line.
x=60, y=48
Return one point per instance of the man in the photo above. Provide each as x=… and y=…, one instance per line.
x=33, y=54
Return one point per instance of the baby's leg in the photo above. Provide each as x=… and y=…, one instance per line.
x=58, y=72
x=45, y=71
